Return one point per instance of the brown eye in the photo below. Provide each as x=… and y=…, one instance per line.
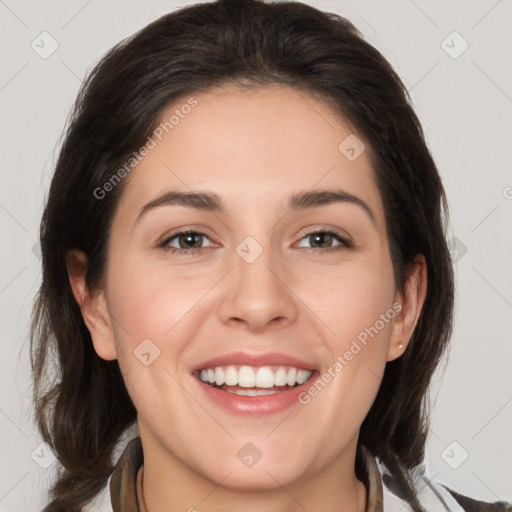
x=185, y=241
x=190, y=241
x=328, y=240
x=321, y=240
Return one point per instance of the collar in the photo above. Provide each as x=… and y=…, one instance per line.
x=126, y=480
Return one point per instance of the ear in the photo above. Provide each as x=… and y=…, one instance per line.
x=411, y=300
x=92, y=305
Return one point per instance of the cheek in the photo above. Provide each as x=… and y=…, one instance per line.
x=351, y=299
x=356, y=305
x=158, y=313
x=150, y=300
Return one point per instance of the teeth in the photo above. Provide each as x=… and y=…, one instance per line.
x=292, y=373
x=246, y=377
x=231, y=376
x=264, y=377
x=302, y=376
x=280, y=377
x=219, y=376
x=252, y=392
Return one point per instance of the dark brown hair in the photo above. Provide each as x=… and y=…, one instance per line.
x=81, y=404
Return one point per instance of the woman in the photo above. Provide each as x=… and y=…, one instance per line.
x=244, y=269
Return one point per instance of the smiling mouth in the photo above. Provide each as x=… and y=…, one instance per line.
x=253, y=381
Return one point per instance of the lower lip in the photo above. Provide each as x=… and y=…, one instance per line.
x=262, y=404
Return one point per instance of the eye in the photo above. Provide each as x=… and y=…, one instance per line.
x=190, y=241
x=185, y=242
x=326, y=241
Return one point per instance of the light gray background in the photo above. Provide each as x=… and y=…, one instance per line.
x=465, y=105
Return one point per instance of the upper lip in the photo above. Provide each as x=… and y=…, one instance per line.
x=256, y=360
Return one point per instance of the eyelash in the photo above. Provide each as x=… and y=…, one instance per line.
x=344, y=243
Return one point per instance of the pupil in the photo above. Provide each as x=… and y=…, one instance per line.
x=322, y=236
x=188, y=239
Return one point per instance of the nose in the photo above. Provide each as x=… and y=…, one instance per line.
x=257, y=294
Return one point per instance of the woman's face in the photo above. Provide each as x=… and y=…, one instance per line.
x=252, y=289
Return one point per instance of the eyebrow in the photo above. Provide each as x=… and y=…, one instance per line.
x=211, y=202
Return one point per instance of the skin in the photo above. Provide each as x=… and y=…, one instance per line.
x=255, y=149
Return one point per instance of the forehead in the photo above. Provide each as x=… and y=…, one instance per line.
x=254, y=147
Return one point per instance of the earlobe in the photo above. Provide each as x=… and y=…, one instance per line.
x=411, y=299
x=92, y=305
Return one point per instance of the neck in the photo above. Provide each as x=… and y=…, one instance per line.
x=334, y=489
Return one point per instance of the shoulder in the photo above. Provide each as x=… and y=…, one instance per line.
x=432, y=494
